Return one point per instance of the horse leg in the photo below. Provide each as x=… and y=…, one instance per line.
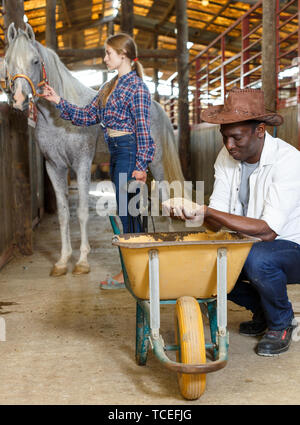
x=58, y=178
x=83, y=181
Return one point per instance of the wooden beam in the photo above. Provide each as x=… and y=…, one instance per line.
x=269, y=53
x=127, y=16
x=51, y=24
x=66, y=14
x=99, y=52
x=13, y=12
x=167, y=14
x=101, y=27
x=183, y=83
x=22, y=212
x=212, y=20
x=155, y=71
x=146, y=24
x=78, y=27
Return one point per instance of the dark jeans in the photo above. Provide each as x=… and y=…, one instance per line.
x=269, y=267
x=122, y=160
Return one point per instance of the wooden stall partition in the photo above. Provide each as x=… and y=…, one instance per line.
x=288, y=131
x=21, y=184
x=206, y=143
x=7, y=231
x=36, y=163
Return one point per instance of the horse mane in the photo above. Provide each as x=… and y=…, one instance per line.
x=61, y=79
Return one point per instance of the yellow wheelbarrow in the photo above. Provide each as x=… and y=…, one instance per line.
x=186, y=269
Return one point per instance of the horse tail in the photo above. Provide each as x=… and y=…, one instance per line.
x=170, y=157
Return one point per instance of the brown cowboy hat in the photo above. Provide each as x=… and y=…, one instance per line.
x=241, y=105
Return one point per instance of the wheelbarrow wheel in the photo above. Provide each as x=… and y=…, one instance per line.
x=189, y=334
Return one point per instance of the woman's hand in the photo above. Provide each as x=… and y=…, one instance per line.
x=140, y=176
x=50, y=94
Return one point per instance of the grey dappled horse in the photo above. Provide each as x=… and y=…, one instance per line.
x=67, y=146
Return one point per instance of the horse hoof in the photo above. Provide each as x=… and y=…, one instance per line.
x=81, y=269
x=58, y=271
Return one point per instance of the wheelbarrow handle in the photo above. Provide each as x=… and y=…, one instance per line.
x=183, y=367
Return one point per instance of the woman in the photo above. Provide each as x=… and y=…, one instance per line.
x=122, y=106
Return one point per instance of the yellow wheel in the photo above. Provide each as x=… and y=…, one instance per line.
x=189, y=336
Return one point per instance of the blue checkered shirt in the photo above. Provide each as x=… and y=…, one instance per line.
x=127, y=109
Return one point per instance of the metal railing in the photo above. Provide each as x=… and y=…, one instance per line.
x=288, y=53
x=234, y=58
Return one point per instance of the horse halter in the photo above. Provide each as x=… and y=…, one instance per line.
x=33, y=89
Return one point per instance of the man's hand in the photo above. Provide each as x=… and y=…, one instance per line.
x=184, y=209
x=196, y=216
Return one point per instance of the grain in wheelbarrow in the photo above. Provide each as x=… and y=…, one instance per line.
x=187, y=261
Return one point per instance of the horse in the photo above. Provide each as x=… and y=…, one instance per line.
x=28, y=64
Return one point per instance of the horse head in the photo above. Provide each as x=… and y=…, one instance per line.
x=25, y=70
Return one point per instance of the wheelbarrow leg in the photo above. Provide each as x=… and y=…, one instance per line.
x=142, y=336
x=212, y=314
x=223, y=334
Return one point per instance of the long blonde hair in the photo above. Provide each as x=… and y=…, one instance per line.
x=123, y=44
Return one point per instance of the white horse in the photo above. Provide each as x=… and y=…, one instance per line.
x=64, y=145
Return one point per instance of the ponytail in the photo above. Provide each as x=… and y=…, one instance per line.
x=137, y=67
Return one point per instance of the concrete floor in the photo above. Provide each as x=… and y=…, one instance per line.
x=68, y=342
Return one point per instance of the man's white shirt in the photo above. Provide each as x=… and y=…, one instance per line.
x=274, y=188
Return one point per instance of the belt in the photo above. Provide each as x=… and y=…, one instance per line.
x=117, y=133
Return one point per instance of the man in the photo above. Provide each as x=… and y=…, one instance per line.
x=257, y=192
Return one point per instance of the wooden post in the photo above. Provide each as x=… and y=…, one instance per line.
x=110, y=26
x=14, y=12
x=51, y=40
x=155, y=70
x=127, y=16
x=183, y=82
x=19, y=140
x=245, y=53
x=197, y=93
x=223, y=70
x=269, y=53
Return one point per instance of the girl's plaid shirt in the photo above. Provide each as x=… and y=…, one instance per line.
x=127, y=109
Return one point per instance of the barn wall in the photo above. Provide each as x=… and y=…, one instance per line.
x=206, y=143
x=21, y=183
x=36, y=178
x=288, y=131
x=6, y=193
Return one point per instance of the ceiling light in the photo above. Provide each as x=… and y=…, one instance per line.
x=205, y=2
